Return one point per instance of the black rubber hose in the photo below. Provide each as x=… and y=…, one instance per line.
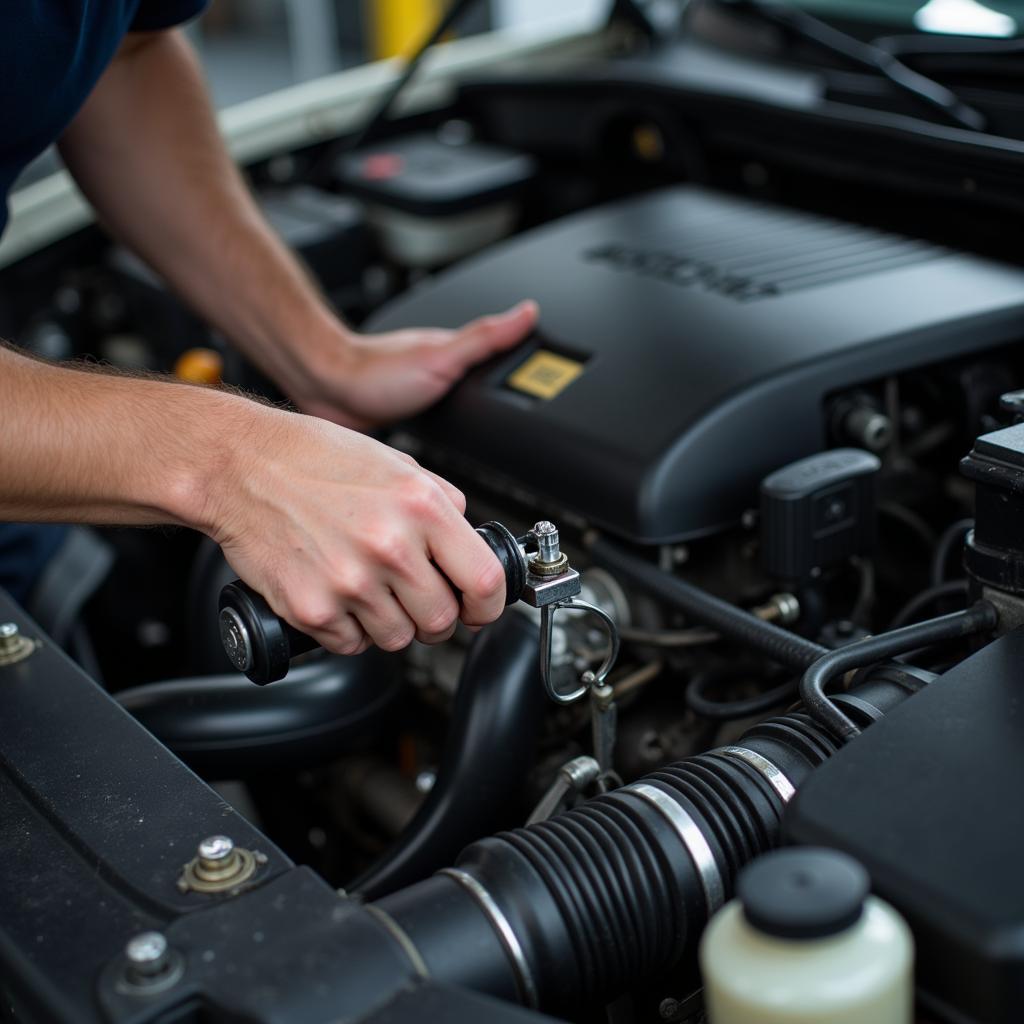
x=738, y=625
x=224, y=727
x=492, y=736
x=583, y=905
x=980, y=618
x=921, y=602
x=699, y=702
x=951, y=536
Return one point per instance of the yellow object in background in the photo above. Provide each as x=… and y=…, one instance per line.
x=398, y=27
x=199, y=366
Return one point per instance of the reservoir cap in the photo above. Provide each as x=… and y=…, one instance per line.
x=803, y=892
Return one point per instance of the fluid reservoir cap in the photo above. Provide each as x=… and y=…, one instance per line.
x=803, y=892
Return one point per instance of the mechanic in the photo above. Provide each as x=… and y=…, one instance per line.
x=346, y=537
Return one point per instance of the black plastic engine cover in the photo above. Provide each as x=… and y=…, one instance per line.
x=928, y=799
x=698, y=336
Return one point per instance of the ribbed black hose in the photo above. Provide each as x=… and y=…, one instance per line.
x=581, y=906
x=980, y=618
x=780, y=645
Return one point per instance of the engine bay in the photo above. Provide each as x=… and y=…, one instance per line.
x=773, y=409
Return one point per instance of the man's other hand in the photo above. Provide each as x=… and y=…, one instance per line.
x=365, y=381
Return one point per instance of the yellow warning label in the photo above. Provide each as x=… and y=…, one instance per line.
x=545, y=375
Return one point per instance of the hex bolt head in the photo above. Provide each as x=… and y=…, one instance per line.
x=214, y=851
x=147, y=954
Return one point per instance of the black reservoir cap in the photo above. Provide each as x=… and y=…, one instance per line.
x=424, y=176
x=803, y=892
x=818, y=512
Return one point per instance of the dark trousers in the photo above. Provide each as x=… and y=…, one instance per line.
x=25, y=548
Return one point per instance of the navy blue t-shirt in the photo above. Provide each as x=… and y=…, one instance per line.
x=52, y=52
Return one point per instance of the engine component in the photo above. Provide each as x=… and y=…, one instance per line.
x=927, y=801
x=981, y=618
x=580, y=905
x=13, y=646
x=492, y=735
x=818, y=513
x=805, y=942
x=859, y=421
x=689, y=343
x=220, y=726
x=432, y=201
x=220, y=866
x=994, y=555
x=585, y=904
x=749, y=630
x=261, y=644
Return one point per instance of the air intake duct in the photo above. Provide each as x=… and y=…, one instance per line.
x=581, y=906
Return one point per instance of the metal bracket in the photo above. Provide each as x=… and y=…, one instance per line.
x=588, y=679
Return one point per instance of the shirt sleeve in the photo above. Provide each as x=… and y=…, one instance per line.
x=152, y=15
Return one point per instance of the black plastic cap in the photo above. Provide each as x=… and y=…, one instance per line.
x=818, y=512
x=803, y=893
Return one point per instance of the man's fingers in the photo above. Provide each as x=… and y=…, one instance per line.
x=490, y=334
x=343, y=636
x=474, y=570
x=386, y=622
x=454, y=495
x=431, y=604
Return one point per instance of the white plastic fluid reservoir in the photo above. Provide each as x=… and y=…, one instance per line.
x=805, y=943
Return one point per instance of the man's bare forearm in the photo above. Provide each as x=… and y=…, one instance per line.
x=349, y=540
x=147, y=153
x=84, y=446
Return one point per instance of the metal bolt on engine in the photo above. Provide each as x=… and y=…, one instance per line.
x=152, y=966
x=219, y=866
x=14, y=646
x=215, y=850
x=147, y=954
x=550, y=560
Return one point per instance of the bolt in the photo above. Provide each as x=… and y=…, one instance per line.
x=10, y=638
x=869, y=428
x=668, y=1008
x=214, y=851
x=547, y=541
x=147, y=955
x=780, y=608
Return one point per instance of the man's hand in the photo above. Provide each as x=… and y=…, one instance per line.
x=363, y=381
x=146, y=151
x=348, y=539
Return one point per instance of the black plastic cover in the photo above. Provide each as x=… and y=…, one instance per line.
x=818, y=512
x=422, y=175
x=696, y=336
x=928, y=800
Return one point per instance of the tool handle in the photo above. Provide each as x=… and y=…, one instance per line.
x=261, y=644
